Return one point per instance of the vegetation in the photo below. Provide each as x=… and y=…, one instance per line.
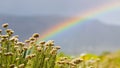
x=35, y=54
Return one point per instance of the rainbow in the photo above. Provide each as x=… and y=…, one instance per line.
x=79, y=19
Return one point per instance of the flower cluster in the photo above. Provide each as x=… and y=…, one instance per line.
x=31, y=53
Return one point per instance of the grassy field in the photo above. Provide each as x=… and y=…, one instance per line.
x=35, y=54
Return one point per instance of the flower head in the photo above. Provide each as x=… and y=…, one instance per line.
x=5, y=25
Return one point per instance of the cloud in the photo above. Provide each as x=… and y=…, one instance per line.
x=31, y=7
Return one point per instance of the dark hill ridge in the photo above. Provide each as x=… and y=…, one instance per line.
x=29, y=25
x=92, y=36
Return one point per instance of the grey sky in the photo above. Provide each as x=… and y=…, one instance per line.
x=56, y=7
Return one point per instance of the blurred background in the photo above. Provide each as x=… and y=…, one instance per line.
x=98, y=34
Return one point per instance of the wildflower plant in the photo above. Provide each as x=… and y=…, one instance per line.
x=16, y=54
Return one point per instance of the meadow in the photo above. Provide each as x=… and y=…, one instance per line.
x=33, y=53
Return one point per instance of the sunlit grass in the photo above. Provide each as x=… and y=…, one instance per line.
x=30, y=54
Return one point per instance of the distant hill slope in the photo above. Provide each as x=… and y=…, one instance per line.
x=92, y=36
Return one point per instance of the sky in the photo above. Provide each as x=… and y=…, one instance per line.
x=68, y=8
x=58, y=7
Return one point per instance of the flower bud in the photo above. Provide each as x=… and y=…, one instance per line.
x=31, y=38
x=0, y=31
x=10, y=31
x=39, y=49
x=21, y=66
x=27, y=41
x=5, y=25
x=42, y=42
x=57, y=47
x=36, y=35
x=12, y=65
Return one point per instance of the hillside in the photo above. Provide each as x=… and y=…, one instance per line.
x=91, y=36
